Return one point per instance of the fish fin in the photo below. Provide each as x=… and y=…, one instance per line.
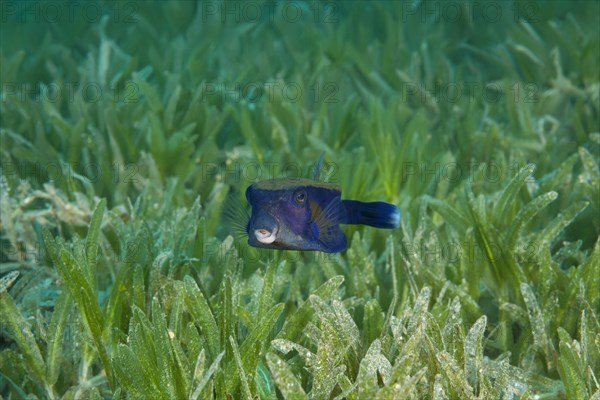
x=377, y=214
x=236, y=217
x=318, y=167
x=333, y=213
x=327, y=228
x=333, y=240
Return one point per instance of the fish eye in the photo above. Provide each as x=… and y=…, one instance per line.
x=299, y=197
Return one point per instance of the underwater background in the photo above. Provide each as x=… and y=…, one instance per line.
x=129, y=129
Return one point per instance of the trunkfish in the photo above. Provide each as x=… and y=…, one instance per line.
x=305, y=214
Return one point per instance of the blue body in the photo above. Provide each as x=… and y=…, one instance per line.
x=304, y=214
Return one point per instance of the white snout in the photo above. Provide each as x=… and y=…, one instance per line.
x=265, y=236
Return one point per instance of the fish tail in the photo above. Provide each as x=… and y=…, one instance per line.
x=377, y=214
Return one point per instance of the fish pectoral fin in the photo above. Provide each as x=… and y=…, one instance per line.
x=330, y=237
x=326, y=228
x=235, y=217
x=333, y=239
x=332, y=214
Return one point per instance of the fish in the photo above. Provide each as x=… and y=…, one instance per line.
x=305, y=214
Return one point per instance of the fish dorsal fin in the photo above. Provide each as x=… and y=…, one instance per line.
x=318, y=167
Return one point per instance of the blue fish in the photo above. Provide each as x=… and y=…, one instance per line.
x=305, y=214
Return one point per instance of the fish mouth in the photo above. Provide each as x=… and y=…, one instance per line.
x=265, y=236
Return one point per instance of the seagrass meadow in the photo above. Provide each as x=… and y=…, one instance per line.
x=130, y=130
